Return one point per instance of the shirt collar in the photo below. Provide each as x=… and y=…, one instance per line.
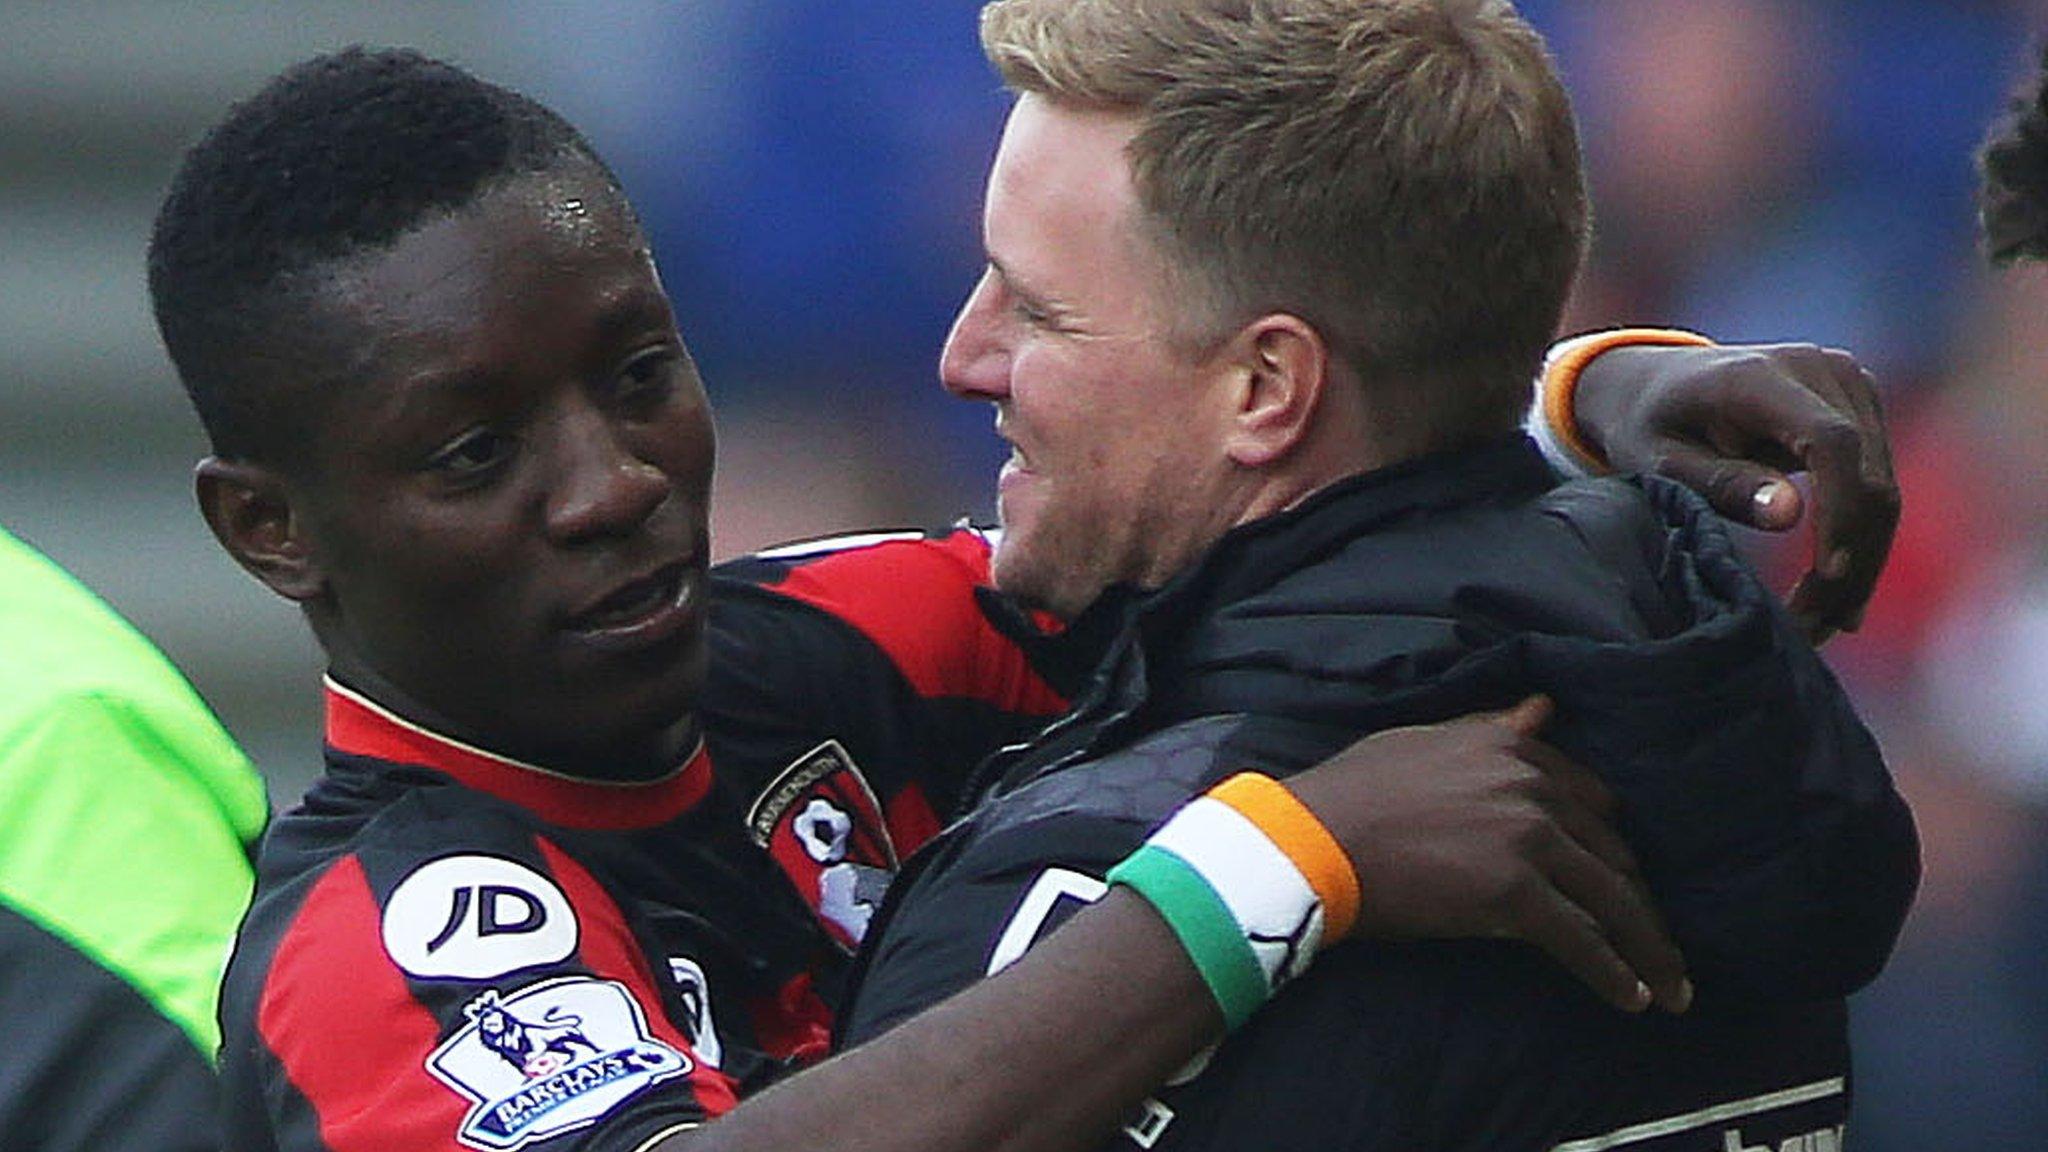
x=357, y=726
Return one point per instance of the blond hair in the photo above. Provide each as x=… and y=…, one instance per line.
x=1403, y=174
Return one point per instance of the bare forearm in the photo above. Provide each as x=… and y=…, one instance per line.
x=993, y=1068
x=1464, y=829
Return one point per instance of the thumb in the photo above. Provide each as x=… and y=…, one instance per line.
x=1775, y=506
x=1528, y=717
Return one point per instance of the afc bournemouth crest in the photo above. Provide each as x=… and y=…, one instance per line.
x=550, y=1059
x=823, y=825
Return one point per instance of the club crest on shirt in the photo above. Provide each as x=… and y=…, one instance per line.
x=550, y=1059
x=822, y=824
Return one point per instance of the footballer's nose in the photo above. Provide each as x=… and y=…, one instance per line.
x=975, y=364
x=603, y=487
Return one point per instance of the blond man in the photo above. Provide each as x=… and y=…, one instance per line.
x=1263, y=280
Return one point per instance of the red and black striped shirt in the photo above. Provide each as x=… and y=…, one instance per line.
x=452, y=949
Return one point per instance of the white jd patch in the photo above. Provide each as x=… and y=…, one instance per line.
x=550, y=1059
x=476, y=918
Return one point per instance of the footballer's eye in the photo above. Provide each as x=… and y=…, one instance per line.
x=1037, y=313
x=473, y=454
x=649, y=378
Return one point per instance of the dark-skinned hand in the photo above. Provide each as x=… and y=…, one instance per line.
x=1732, y=423
x=1476, y=828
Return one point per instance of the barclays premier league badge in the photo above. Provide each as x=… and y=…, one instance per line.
x=550, y=1059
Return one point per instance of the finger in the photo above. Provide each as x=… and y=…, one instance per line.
x=1776, y=506
x=1527, y=717
x=1833, y=455
x=1826, y=607
x=1573, y=939
x=1809, y=610
x=1741, y=490
x=1857, y=508
x=1577, y=783
x=1800, y=408
x=1855, y=515
x=1621, y=906
x=1593, y=832
x=1855, y=391
x=1777, y=399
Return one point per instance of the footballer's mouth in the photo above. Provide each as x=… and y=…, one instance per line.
x=1017, y=465
x=1015, y=470
x=643, y=610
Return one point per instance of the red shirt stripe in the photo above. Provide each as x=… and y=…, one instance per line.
x=911, y=820
x=609, y=949
x=914, y=599
x=342, y=1020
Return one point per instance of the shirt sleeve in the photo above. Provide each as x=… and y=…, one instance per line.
x=496, y=997
x=886, y=644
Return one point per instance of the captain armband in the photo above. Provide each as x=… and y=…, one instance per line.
x=1251, y=883
x=1552, y=421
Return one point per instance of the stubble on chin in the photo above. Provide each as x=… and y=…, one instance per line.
x=1042, y=577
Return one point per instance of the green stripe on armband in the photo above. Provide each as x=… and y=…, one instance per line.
x=1204, y=925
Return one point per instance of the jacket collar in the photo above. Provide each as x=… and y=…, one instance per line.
x=1153, y=628
x=1254, y=556
x=358, y=726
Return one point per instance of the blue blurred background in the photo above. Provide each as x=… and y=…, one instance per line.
x=811, y=171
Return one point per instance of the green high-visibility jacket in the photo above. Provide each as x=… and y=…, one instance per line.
x=127, y=820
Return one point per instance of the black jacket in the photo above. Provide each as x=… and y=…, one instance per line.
x=1759, y=805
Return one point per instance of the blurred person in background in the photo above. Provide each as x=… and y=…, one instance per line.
x=127, y=822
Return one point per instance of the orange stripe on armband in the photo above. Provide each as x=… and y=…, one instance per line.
x=1298, y=834
x=1568, y=360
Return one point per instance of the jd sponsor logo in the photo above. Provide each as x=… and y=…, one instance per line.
x=476, y=918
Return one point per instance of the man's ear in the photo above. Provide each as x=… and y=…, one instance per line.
x=1283, y=368
x=250, y=509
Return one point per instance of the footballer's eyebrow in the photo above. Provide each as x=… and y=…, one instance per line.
x=1023, y=290
x=995, y=265
x=427, y=391
x=627, y=311
x=634, y=307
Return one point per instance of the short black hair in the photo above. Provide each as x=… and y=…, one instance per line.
x=336, y=157
x=2013, y=201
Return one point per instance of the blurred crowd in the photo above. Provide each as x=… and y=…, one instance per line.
x=1763, y=170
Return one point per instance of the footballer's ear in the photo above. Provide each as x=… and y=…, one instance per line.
x=1284, y=368
x=250, y=509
